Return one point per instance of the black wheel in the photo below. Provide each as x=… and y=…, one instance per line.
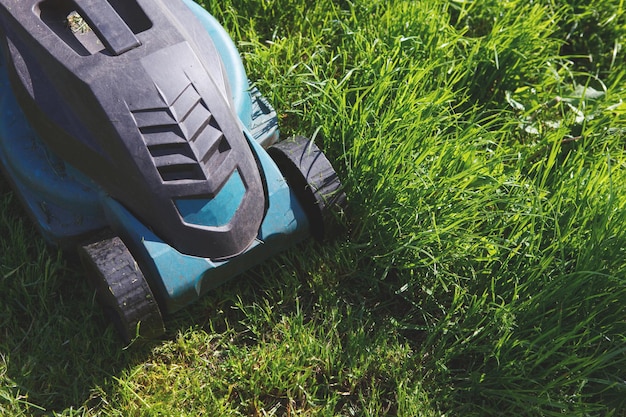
x=122, y=289
x=313, y=180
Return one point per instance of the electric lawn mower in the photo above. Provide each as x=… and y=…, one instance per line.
x=130, y=132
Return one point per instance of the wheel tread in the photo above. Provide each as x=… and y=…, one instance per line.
x=313, y=180
x=122, y=288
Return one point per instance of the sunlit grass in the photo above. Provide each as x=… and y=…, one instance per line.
x=482, y=269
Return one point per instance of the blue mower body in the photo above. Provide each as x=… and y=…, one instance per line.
x=77, y=208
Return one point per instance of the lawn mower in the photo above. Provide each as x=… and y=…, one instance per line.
x=130, y=132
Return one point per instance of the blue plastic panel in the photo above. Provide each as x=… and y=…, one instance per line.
x=66, y=205
x=217, y=211
x=63, y=202
x=184, y=278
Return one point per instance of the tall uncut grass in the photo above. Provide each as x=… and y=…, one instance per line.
x=482, y=268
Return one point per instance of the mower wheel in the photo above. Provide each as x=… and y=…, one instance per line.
x=314, y=181
x=122, y=289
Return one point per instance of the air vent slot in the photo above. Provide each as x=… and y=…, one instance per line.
x=180, y=172
x=175, y=162
x=180, y=131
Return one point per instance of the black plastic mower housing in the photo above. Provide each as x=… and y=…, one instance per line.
x=138, y=100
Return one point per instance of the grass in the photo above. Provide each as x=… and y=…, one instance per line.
x=482, y=271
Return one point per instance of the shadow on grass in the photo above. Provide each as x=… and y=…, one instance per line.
x=57, y=350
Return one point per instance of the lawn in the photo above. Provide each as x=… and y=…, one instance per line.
x=481, y=266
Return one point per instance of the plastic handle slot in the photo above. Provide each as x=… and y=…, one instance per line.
x=114, y=33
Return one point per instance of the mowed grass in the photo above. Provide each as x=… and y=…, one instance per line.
x=482, y=268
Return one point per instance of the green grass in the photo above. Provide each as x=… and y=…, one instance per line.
x=482, y=270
